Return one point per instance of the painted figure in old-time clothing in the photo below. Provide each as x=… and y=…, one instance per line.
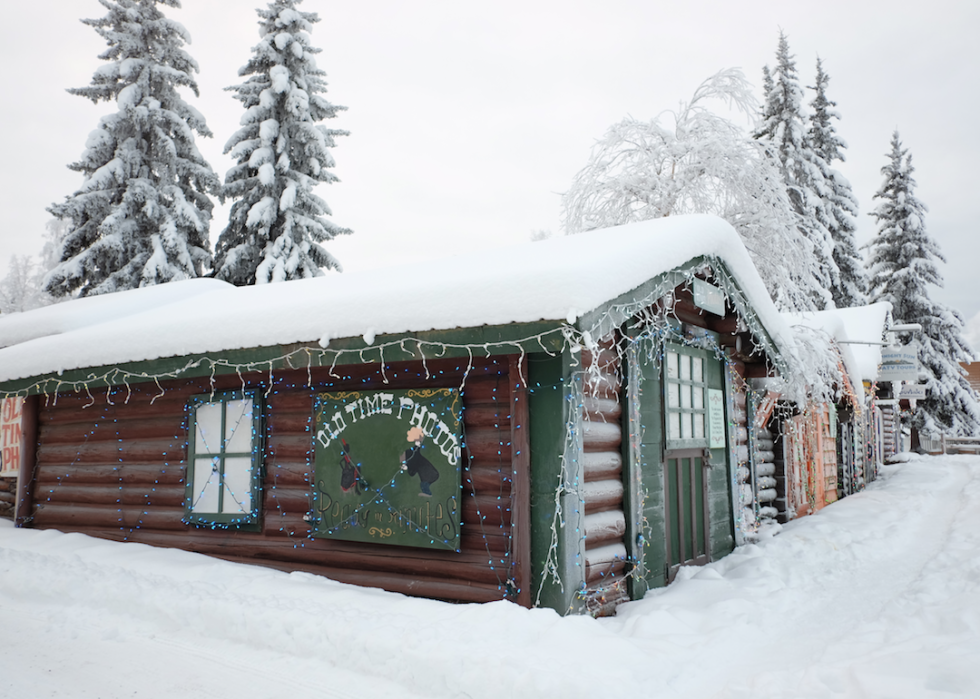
x=414, y=463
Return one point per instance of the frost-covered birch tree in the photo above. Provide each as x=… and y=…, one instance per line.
x=694, y=161
x=902, y=263
x=805, y=173
x=142, y=214
x=276, y=222
x=841, y=205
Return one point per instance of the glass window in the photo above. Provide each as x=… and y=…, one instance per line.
x=224, y=460
x=685, y=387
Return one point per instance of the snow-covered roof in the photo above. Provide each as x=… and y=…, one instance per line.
x=559, y=279
x=857, y=333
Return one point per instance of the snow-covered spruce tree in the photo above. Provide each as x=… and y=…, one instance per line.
x=142, y=214
x=282, y=153
x=842, y=206
x=704, y=164
x=902, y=262
x=783, y=130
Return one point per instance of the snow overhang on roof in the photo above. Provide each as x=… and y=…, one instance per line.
x=856, y=333
x=574, y=280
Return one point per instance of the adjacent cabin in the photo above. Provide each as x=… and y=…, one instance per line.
x=562, y=423
x=811, y=450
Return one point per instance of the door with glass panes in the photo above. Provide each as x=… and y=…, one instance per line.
x=686, y=440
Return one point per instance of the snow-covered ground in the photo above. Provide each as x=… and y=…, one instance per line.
x=876, y=596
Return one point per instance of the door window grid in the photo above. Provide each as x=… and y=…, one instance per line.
x=685, y=387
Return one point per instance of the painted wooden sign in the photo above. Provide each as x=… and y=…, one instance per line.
x=388, y=467
x=11, y=413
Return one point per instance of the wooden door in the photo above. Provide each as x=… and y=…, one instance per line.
x=686, y=511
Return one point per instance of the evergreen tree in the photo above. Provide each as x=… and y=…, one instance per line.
x=805, y=173
x=142, y=214
x=842, y=206
x=276, y=221
x=902, y=263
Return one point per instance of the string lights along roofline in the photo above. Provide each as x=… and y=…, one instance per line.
x=561, y=279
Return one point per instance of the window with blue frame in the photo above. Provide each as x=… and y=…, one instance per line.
x=224, y=460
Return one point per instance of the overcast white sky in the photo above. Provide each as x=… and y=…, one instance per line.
x=468, y=119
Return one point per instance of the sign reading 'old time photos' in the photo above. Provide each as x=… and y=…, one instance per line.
x=388, y=467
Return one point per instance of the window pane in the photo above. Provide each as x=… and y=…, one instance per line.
x=699, y=425
x=671, y=365
x=685, y=425
x=204, y=497
x=674, y=425
x=208, y=419
x=685, y=367
x=685, y=396
x=698, y=398
x=238, y=485
x=673, y=395
x=697, y=370
x=238, y=426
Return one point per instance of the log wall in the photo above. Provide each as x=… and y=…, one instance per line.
x=603, y=492
x=111, y=464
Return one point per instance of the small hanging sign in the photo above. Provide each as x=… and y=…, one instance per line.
x=709, y=297
x=716, y=418
x=387, y=467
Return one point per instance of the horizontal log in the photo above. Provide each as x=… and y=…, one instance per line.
x=602, y=409
x=290, y=448
x=474, y=535
x=291, y=424
x=441, y=589
x=602, y=386
x=109, y=496
x=607, y=572
x=59, y=515
x=602, y=465
x=298, y=400
x=603, y=596
x=288, y=473
x=601, y=436
x=7, y=498
x=107, y=474
x=495, y=416
x=601, y=496
x=145, y=451
x=148, y=428
x=604, y=527
x=488, y=444
x=492, y=390
x=175, y=410
x=488, y=478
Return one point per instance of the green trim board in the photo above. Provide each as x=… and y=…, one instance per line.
x=512, y=338
x=388, y=467
x=223, y=483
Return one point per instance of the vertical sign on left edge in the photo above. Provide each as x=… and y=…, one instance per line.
x=11, y=416
x=388, y=467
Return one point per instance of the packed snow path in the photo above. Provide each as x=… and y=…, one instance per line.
x=876, y=596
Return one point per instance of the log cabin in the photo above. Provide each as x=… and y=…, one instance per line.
x=558, y=424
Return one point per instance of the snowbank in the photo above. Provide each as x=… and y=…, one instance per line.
x=875, y=596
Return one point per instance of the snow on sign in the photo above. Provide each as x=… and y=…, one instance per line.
x=388, y=467
x=709, y=297
x=11, y=412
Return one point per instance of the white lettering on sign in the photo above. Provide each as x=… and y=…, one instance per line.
x=11, y=416
x=417, y=414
